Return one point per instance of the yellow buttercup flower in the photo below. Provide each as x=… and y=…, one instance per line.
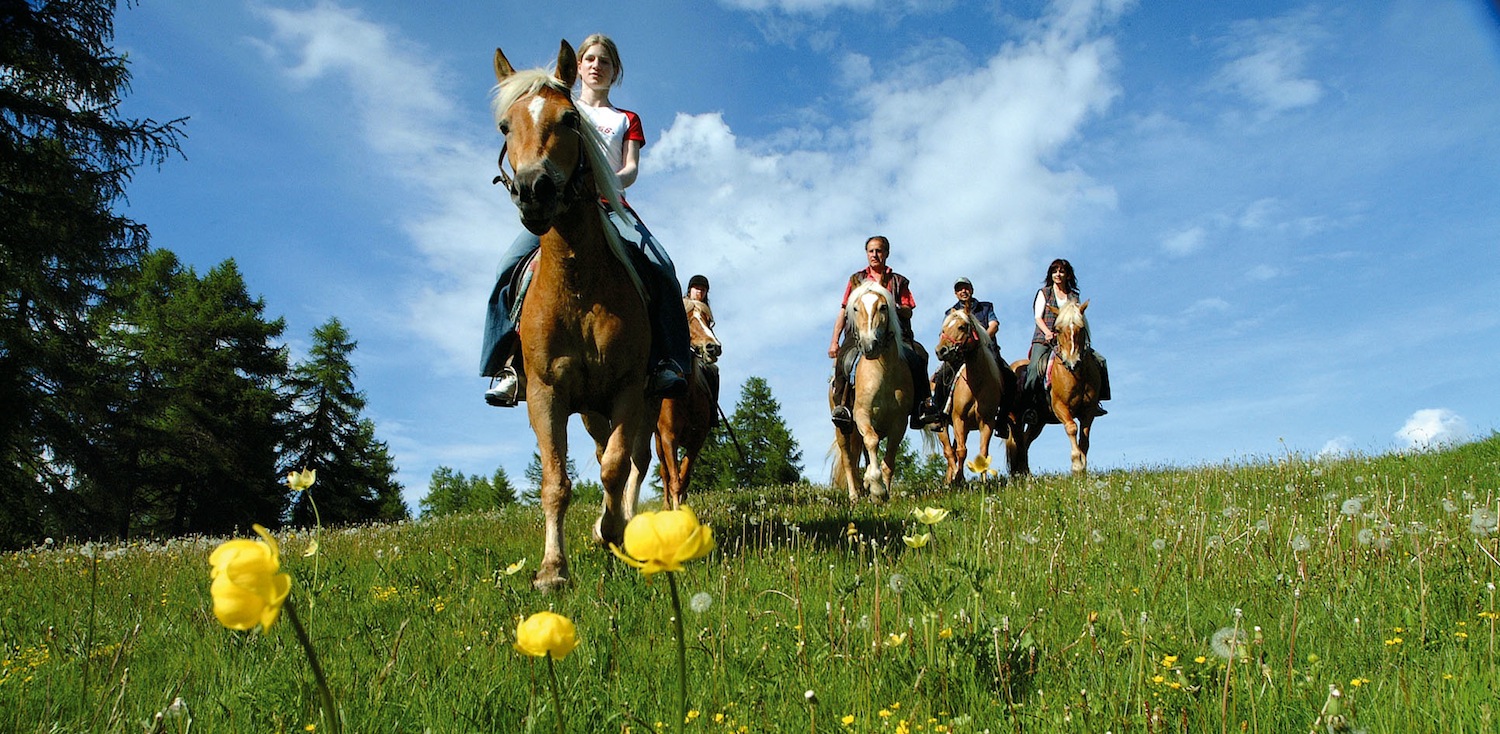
x=981, y=465
x=546, y=634
x=300, y=481
x=930, y=515
x=663, y=541
x=916, y=541
x=247, y=588
x=515, y=568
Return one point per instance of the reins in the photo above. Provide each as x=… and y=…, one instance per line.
x=572, y=189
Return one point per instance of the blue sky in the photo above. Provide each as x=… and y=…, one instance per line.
x=1284, y=213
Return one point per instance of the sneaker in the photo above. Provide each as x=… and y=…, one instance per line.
x=666, y=381
x=842, y=418
x=506, y=390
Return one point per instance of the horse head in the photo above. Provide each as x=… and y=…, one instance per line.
x=959, y=336
x=700, y=320
x=1072, y=329
x=551, y=148
x=870, y=315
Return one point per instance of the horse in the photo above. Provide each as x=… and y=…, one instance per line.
x=585, y=337
x=683, y=424
x=883, y=394
x=983, y=390
x=1072, y=393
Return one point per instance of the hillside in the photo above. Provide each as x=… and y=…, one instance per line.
x=1160, y=600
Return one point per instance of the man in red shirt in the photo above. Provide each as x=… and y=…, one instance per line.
x=877, y=250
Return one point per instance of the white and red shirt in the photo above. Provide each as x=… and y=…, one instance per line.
x=616, y=126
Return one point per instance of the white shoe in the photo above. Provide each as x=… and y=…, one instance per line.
x=506, y=391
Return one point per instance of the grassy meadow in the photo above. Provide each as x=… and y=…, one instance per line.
x=1209, y=599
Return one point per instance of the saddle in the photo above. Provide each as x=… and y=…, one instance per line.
x=633, y=258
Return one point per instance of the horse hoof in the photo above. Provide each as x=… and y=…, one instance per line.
x=551, y=583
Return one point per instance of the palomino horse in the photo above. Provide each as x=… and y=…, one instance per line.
x=983, y=390
x=684, y=423
x=584, y=332
x=1072, y=392
x=882, y=386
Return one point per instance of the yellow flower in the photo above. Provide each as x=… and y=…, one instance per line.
x=930, y=515
x=546, y=633
x=945, y=633
x=847, y=720
x=895, y=640
x=1168, y=661
x=247, y=588
x=980, y=465
x=515, y=568
x=663, y=541
x=302, y=480
x=916, y=541
x=312, y=549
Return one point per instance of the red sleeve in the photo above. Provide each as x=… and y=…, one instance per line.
x=634, y=130
x=906, y=300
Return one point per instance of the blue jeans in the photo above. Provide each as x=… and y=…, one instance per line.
x=669, y=330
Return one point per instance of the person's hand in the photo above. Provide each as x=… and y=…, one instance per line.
x=833, y=351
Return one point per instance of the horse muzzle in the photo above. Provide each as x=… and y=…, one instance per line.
x=537, y=193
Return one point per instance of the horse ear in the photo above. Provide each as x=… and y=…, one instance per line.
x=1083, y=307
x=503, y=69
x=567, y=64
x=1052, y=310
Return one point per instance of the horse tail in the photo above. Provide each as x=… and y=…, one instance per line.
x=836, y=477
x=929, y=443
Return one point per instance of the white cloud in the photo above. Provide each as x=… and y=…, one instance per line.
x=1431, y=427
x=1336, y=447
x=1267, y=63
x=1185, y=242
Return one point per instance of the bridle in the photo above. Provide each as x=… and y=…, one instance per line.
x=573, y=189
x=959, y=347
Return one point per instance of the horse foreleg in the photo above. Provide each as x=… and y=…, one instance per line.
x=960, y=451
x=615, y=467
x=1085, y=424
x=640, y=464
x=666, y=459
x=1080, y=463
x=879, y=469
x=550, y=425
x=955, y=471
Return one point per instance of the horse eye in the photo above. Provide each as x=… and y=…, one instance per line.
x=504, y=126
x=570, y=119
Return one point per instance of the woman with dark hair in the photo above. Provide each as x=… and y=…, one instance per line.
x=1059, y=287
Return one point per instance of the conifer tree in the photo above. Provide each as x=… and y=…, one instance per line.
x=771, y=455
x=327, y=433
x=66, y=155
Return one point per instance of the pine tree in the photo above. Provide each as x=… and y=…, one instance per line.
x=326, y=433
x=771, y=455
x=66, y=155
x=195, y=373
x=449, y=492
x=532, y=494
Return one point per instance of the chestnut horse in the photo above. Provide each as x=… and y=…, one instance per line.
x=1072, y=392
x=684, y=423
x=583, y=326
x=883, y=394
x=983, y=390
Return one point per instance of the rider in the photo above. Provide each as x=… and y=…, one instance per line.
x=1059, y=287
x=877, y=249
x=984, y=313
x=697, y=290
x=599, y=68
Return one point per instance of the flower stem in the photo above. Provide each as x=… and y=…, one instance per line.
x=330, y=707
x=681, y=652
x=556, y=695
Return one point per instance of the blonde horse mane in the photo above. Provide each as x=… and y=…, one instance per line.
x=894, y=323
x=531, y=81
x=982, y=333
x=1070, y=318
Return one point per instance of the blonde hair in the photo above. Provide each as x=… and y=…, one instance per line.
x=599, y=39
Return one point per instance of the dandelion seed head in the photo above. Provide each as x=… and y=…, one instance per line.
x=1300, y=543
x=1228, y=643
x=1365, y=536
x=897, y=583
x=701, y=601
x=1160, y=544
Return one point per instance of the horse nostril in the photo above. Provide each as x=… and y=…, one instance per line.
x=714, y=350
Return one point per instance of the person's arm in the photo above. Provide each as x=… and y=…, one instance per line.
x=993, y=328
x=630, y=168
x=838, y=331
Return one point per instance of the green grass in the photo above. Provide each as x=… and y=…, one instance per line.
x=1051, y=605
